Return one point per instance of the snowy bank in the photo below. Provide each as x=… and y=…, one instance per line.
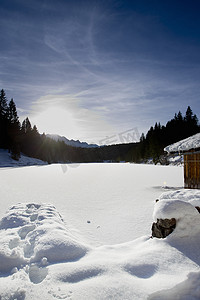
x=40, y=258
x=7, y=161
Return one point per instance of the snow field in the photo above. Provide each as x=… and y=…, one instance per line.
x=116, y=199
x=100, y=246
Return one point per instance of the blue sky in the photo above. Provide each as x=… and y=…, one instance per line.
x=92, y=69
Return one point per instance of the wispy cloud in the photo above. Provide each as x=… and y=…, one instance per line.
x=112, y=68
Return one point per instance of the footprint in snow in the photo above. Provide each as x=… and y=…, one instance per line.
x=81, y=275
x=37, y=274
x=141, y=271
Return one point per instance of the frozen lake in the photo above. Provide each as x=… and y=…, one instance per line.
x=103, y=203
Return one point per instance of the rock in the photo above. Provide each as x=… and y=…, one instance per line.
x=198, y=208
x=163, y=227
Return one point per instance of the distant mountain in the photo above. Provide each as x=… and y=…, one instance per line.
x=72, y=143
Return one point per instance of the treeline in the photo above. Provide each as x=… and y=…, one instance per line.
x=9, y=125
x=24, y=138
x=158, y=137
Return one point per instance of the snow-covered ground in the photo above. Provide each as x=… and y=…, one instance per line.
x=84, y=232
x=7, y=161
x=117, y=199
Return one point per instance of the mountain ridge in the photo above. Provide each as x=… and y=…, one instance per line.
x=73, y=143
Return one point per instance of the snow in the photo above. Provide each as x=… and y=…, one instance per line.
x=7, y=161
x=176, y=160
x=183, y=210
x=32, y=233
x=85, y=233
x=185, y=238
x=192, y=142
x=174, y=209
x=116, y=196
x=186, y=290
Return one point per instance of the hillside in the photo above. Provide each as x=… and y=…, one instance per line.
x=7, y=161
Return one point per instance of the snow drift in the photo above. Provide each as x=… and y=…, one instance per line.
x=181, y=206
x=40, y=254
x=33, y=233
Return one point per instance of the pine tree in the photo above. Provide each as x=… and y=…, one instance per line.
x=12, y=113
x=26, y=126
x=179, y=116
x=191, y=123
x=188, y=114
x=35, y=130
x=142, y=138
x=3, y=120
x=3, y=105
x=13, y=130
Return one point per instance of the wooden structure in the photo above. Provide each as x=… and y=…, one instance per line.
x=190, y=149
x=192, y=169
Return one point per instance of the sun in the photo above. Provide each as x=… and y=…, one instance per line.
x=56, y=120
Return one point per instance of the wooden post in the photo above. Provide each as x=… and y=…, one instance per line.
x=185, y=171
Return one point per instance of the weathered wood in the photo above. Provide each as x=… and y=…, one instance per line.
x=192, y=170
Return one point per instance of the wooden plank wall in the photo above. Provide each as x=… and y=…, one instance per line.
x=192, y=171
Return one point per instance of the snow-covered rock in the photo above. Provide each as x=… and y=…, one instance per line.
x=182, y=208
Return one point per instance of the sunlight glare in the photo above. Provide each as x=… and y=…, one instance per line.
x=56, y=120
